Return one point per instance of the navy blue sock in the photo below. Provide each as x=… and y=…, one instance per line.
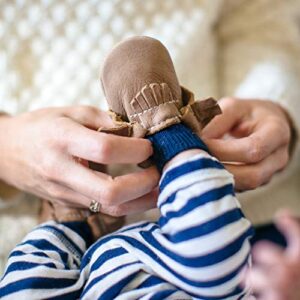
x=171, y=141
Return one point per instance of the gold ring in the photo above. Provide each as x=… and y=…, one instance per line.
x=95, y=206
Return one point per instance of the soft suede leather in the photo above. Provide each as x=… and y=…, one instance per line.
x=194, y=114
x=143, y=92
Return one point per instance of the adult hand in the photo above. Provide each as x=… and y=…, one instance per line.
x=252, y=138
x=40, y=153
x=276, y=272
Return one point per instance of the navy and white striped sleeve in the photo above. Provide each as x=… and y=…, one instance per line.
x=203, y=237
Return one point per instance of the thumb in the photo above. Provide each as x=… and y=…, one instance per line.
x=232, y=113
x=89, y=116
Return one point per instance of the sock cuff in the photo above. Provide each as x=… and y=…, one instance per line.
x=171, y=141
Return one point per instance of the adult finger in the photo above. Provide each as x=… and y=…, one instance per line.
x=290, y=227
x=67, y=197
x=135, y=206
x=267, y=137
x=88, y=116
x=232, y=112
x=105, y=189
x=104, y=148
x=250, y=176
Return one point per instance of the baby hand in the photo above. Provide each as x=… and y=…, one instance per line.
x=276, y=271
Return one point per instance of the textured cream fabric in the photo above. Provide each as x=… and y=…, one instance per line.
x=51, y=52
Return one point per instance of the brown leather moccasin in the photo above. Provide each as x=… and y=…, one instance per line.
x=143, y=92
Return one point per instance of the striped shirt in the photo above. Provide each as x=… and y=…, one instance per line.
x=196, y=250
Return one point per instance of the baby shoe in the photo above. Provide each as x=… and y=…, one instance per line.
x=143, y=92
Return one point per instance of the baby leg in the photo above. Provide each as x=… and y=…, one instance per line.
x=46, y=264
x=200, y=244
